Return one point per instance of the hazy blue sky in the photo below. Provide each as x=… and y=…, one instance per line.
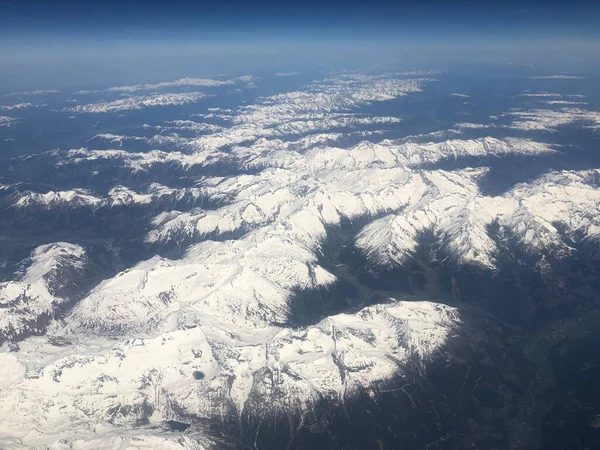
x=47, y=42
x=23, y=17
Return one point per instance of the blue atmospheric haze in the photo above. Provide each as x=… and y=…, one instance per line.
x=48, y=44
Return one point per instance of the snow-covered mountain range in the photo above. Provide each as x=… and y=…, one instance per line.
x=253, y=198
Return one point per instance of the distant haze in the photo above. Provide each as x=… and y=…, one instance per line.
x=49, y=45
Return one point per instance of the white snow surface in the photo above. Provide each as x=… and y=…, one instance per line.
x=138, y=102
x=16, y=106
x=459, y=216
x=29, y=93
x=195, y=82
x=557, y=77
x=87, y=385
x=550, y=120
x=6, y=122
x=131, y=346
x=117, y=196
x=29, y=297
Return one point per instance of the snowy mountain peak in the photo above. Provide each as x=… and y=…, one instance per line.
x=45, y=284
